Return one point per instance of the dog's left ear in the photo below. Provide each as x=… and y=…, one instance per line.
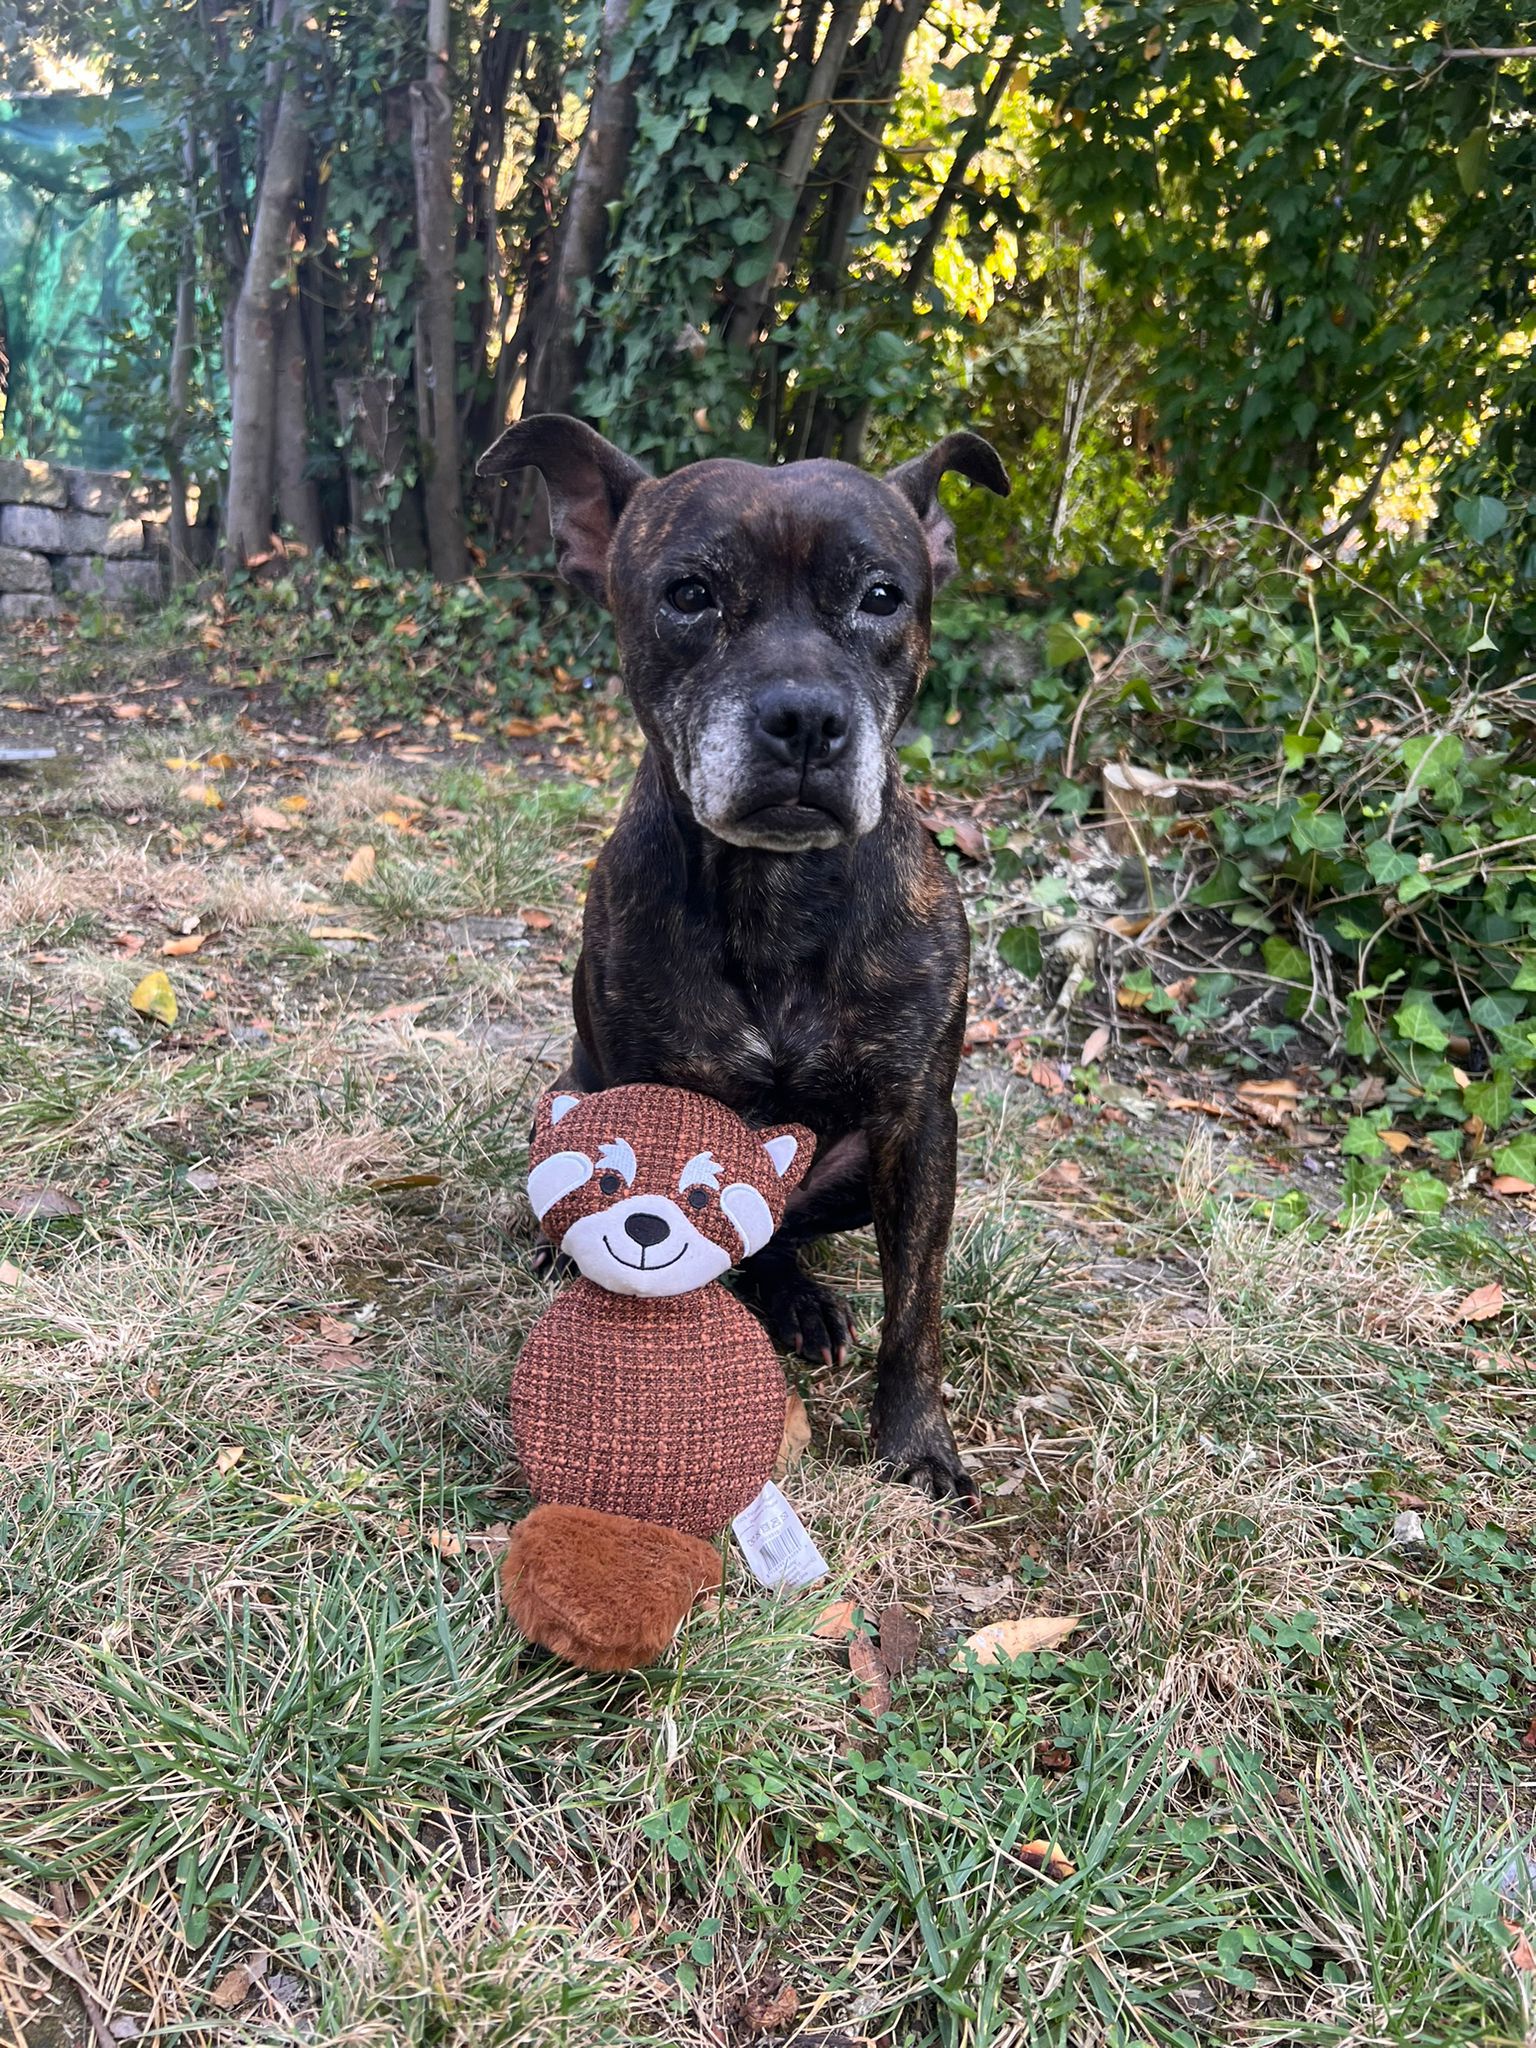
x=589, y=483
x=918, y=482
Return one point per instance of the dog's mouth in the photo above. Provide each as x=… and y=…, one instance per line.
x=639, y=1265
x=792, y=826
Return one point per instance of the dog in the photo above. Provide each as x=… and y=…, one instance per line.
x=769, y=922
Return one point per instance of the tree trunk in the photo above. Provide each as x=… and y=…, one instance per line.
x=970, y=144
x=554, y=359
x=179, y=383
x=264, y=292
x=298, y=501
x=437, y=402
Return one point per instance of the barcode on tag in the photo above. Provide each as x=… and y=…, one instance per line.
x=776, y=1547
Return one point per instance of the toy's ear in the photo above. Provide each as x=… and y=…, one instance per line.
x=790, y=1150
x=551, y=1106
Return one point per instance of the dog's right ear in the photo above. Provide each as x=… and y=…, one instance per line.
x=589, y=483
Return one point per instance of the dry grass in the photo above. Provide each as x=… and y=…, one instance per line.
x=263, y=1713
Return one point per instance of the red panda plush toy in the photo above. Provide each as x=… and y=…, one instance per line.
x=648, y=1404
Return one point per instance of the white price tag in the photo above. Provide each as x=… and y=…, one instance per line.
x=776, y=1547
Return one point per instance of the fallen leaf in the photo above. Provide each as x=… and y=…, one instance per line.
x=335, y=1331
x=10, y=1276
x=1130, y=927
x=536, y=920
x=293, y=803
x=127, y=711
x=1180, y=991
x=796, y=1437
x=154, y=997
x=393, y=1181
x=1481, y=1304
x=1368, y=1093
x=514, y=728
x=1043, y=1073
x=236, y=1985
x=768, y=2008
x=1521, y=1956
x=177, y=949
x=1016, y=1638
x=38, y=1204
x=493, y=1538
x=446, y=1542
x=341, y=931
x=1065, y=1177
x=1528, y=1739
x=347, y=734
x=359, y=869
x=980, y=1598
x=1095, y=1045
x=1511, y=1184
x=129, y=942
x=1049, y=1758
x=1283, y=1090
x=394, y=1013
x=873, y=1679
x=396, y=820
x=899, y=1639
x=836, y=1621
x=982, y=1032
x=1132, y=998
x=266, y=819
x=203, y=1179
x=229, y=1457
x=1047, y=1859
x=1268, y=1102
x=1396, y=1142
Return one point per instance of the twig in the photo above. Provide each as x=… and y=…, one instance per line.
x=66, y=1956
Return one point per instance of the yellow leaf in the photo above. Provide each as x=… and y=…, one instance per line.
x=340, y=931
x=445, y=1542
x=220, y=763
x=1396, y=1142
x=154, y=997
x=1047, y=1858
x=346, y=734
x=293, y=803
x=397, y=820
x=1016, y=1638
x=203, y=793
x=177, y=763
x=267, y=819
x=360, y=867
x=177, y=949
x=229, y=1456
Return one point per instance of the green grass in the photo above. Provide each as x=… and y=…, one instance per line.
x=261, y=1704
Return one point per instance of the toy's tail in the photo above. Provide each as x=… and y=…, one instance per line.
x=606, y=1592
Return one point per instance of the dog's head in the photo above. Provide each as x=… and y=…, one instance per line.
x=655, y=1191
x=772, y=622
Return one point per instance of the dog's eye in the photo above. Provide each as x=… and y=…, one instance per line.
x=610, y=1183
x=690, y=597
x=697, y=1198
x=882, y=599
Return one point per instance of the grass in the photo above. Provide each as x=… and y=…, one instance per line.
x=272, y=1767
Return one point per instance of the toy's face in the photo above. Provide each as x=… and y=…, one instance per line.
x=655, y=1191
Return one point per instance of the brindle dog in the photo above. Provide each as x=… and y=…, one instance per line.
x=770, y=923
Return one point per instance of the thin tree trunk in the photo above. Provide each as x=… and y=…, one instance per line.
x=298, y=500
x=554, y=359
x=805, y=125
x=437, y=402
x=971, y=143
x=264, y=291
x=179, y=383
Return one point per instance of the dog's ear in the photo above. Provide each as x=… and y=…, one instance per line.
x=589, y=483
x=918, y=482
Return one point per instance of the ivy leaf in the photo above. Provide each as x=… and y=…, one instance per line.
x=1423, y=1195
x=1420, y=1021
x=1492, y=1099
x=1317, y=831
x=1481, y=518
x=1518, y=1157
x=1388, y=864
x=1019, y=948
x=1287, y=962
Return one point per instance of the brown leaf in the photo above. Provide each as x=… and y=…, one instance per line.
x=266, y=819
x=335, y=1331
x=980, y=1598
x=1095, y=1045
x=1047, y=1858
x=393, y=1181
x=1130, y=927
x=1396, y=1142
x=359, y=869
x=229, y=1456
x=1482, y=1304
x=1368, y=1093
x=836, y=1621
x=129, y=942
x=236, y=1985
x=969, y=837
x=1042, y=1072
x=1180, y=991
x=767, y=2008
x=341, y=931
x=1016, y=1638
x=1511, y=1184
x=796, y=1438
x=38, y=1204
x=874, y=1681
x=1132, y=998
x=1521, y=1955
x=1049, y=1758
x=203, y=793
x=982, y=1031
x=536, y=920
x=493, y=1538
x=1065, y=1177
x=446, y=1542
x=899, y=1639
x=127, y=711
x=10, y=1276
x=177, y=949
x=1528, y=1739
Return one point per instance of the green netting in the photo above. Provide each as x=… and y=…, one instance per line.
x=62, y=263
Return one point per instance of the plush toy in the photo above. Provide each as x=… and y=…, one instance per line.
x=648, y=1404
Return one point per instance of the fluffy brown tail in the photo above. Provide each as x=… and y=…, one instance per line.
x=603, y=1591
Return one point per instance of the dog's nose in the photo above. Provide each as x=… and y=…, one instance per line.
x=646, y=1230
x=799, y=725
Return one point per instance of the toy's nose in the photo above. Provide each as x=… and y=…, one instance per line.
x=646, y=1230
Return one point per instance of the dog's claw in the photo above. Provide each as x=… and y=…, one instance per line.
x=918, y=1448
x=799, y=1314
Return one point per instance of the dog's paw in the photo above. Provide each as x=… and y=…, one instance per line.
x=799, y=1314
x=916, y=1445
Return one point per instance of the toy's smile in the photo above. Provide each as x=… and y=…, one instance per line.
x=642, y=1267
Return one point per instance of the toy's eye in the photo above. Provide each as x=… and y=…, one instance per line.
x=698, y=1198
x=610, y=1183
x=690, y=597
x=882, y=599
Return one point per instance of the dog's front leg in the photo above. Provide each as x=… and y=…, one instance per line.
x=912, y=1189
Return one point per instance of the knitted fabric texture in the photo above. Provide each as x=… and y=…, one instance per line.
x=668, y=1411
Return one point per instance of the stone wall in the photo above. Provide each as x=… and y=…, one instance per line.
x=69, y=534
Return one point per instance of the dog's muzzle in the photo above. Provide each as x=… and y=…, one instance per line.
x=796, y=766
